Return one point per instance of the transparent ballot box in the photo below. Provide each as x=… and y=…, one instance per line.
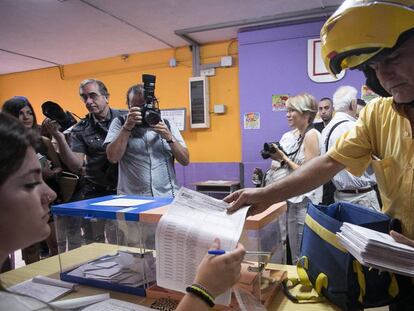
x=262, y=236
x=102, y=242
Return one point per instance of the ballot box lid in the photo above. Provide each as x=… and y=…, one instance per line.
x=120, y=207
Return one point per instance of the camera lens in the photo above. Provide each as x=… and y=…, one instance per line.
x=152, y=117
x=265, y=155
x=269, y=147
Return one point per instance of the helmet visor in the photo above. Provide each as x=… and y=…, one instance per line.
x=359, y=30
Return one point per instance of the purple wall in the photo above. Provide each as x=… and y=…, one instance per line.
x=196, y=172
x=274, y=61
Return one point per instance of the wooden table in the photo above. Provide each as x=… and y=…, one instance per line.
x=50, y=267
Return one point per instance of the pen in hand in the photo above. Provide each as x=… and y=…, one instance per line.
x=216, y=252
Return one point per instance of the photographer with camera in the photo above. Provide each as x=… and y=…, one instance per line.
x=295, y=147
x=145, y=146
x=87, y=148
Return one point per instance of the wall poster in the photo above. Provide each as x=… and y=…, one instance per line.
x=252, y=121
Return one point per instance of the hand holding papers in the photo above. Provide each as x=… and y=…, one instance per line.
x=376, y=249
x=185, y=233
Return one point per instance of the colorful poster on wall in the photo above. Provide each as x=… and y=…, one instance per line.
x=252, y=120
x=279, y=102
x=367, y=94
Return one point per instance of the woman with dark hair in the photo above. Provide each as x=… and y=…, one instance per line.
x=24, y=215
x=21, y=108
x=25, y=198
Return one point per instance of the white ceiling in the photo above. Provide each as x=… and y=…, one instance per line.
x=36, y=34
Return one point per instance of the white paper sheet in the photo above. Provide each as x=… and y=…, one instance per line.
x=375, y=249
x=116, y=305
x=185, y=233
x=76, y=303
x=41, y=291
x=122, y=202
x=54, y=282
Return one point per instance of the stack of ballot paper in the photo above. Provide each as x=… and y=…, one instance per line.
x=375, y=249
x=43, y=288
x=100, y=302
x=129, y=269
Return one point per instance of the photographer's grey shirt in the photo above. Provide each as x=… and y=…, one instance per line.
x=147, y=166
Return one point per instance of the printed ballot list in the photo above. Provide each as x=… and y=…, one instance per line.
x=185, y=233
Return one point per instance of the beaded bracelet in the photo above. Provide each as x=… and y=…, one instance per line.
x=200, y=293
x=204, y=289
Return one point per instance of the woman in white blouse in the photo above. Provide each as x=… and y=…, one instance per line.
x=299, y=145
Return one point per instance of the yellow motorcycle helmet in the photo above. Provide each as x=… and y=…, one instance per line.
x=361, y=29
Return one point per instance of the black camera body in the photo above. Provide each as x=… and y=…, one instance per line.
x=269, y=148
x=151, y=114
x=54, y=112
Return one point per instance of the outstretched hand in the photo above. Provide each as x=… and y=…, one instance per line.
x=248, y=196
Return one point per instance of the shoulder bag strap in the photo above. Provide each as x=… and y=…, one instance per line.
x=330, y=133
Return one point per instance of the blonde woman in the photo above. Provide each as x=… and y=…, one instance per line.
x=299, y=145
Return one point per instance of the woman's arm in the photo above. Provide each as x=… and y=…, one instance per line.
x=51, y=153
x=311, y=145
x=216, y=274
x=52, y=165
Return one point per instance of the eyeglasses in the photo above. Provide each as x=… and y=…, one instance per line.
x=91, y=95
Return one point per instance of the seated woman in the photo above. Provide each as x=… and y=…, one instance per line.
x=21, y=108
x=24, y=215
x=25, y=198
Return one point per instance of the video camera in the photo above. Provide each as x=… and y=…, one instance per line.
x=151, y=115
x=53, y=111
x=269, y=148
